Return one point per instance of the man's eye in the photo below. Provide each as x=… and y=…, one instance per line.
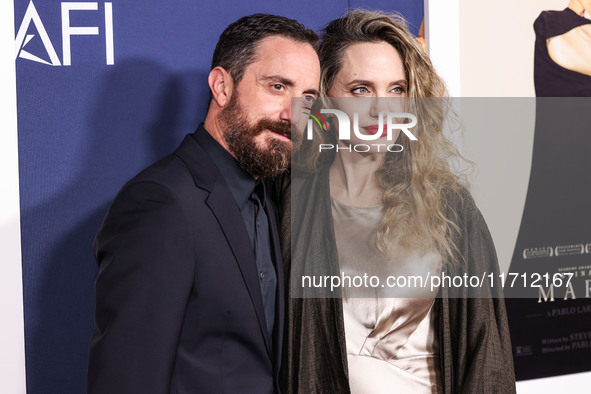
x=278, y=86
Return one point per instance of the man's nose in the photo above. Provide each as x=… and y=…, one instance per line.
x=299, y=108
x=285, y=114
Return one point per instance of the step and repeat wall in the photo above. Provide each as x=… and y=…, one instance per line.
x=104, y=89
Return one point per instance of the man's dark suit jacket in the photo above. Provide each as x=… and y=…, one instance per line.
x=178, y=303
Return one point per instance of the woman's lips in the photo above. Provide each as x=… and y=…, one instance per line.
x=375, y=129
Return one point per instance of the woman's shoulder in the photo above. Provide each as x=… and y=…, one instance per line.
x=472, y=239
x=459, y=203
x=470, y=229
x=553, y=23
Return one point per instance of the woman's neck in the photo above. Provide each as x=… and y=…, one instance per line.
x=577, y=7
x=353, y=178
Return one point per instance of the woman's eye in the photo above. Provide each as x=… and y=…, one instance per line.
x=398, y=90
x=360, y=90
x=309, y=99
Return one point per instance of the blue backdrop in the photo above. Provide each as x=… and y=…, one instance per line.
x=86, y=128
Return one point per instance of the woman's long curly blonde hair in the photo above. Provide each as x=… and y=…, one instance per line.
x=418, y=184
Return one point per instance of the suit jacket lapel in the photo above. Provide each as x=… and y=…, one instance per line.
x=271, y=212
x=225, y=209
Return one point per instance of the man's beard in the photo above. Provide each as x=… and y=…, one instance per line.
x=267, y=161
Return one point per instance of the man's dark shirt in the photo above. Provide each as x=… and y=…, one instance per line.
x=250, y=197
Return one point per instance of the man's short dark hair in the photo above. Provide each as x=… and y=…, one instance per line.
x=237, y=45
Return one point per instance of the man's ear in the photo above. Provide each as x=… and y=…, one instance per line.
x=220, y=83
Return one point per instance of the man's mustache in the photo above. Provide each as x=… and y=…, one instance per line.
x=283, y=128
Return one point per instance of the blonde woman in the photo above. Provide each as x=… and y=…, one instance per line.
x=356, y=211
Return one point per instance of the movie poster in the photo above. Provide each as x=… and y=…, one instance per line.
x=549, y=304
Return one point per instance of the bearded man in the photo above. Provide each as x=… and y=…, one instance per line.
x=189, y=295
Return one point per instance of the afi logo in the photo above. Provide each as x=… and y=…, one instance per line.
x=32, y=16
x=345, y=124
